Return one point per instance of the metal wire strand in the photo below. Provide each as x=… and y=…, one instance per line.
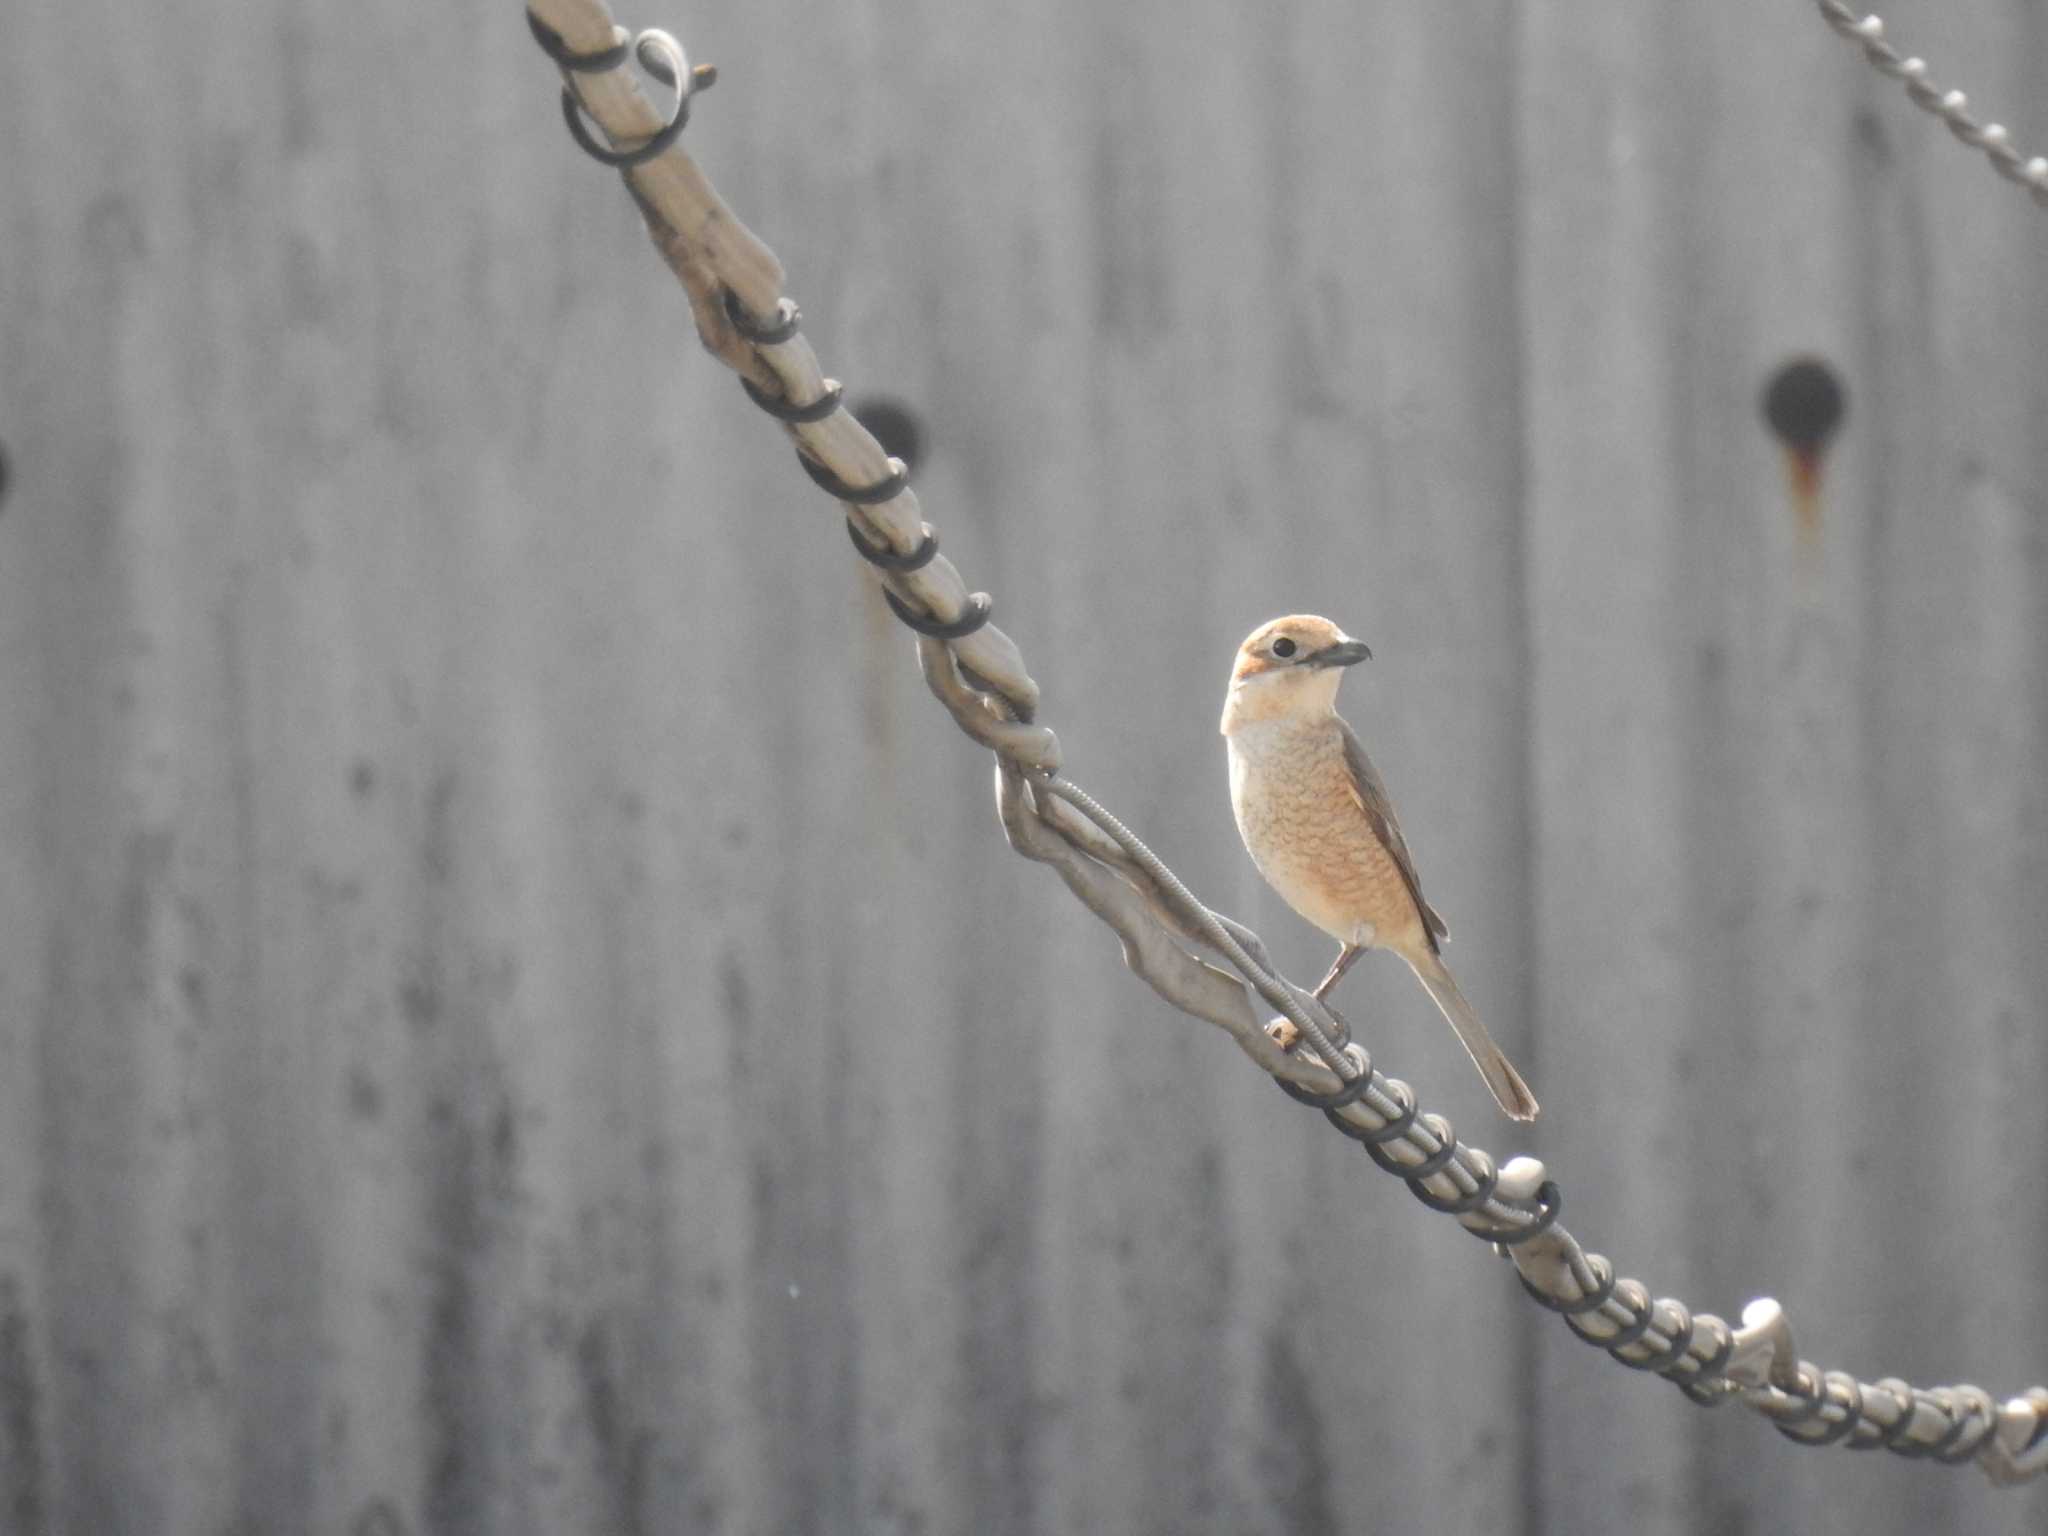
x=981, y=679
x=1952, y=107
x=1281, y=994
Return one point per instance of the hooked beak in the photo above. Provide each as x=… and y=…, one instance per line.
x=1345, y=653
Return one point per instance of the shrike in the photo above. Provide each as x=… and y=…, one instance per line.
x=1317, y=821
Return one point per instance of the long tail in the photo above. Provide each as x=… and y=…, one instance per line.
x=1509, y=1091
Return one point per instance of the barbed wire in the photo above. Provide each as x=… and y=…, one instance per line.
x=1171, y=940
x=1952, y=107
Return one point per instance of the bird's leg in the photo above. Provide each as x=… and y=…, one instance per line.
x=1284, y=1032
x=1346, y=958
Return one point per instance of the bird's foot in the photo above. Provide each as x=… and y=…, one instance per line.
x=1284, y=1034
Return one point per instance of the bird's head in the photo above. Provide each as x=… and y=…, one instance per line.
x=1289, y=667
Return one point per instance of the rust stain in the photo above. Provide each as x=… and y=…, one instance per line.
x=1803, y=468
x=1803, y=405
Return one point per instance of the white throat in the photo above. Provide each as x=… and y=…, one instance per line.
x=1290, y=694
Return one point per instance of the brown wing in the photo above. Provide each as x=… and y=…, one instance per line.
x=1372, y=799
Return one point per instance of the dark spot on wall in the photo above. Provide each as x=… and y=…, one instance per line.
x=308, y=295
x=1758, y=1184
x=189, y=1368
x=455, y=1413
x=21, y=1423
x=734, y=988
x=1133, y=235
x=192, y=987
x=635, y=1480
x=1871, y=136
x=1804, y=403
x=1314, y=383
x=113, y=231
x=2006, y=1034
x=600, y=1391
x=632, y=806
x=1292, y=1457
x=734, y=995
x=362, y=778
x=988, y=1247
x=3, y=476
x=437, y=847
x=625, y=1455
x=504, y=1139
x=735, y=1001
x=419, y=997
x=895, y=426
x=377, y=1518
x=332, y=891
x=148, y=862
x=365, y=1098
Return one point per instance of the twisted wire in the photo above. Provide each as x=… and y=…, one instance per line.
x=978, y=673
x=1273, y=989
x=1952, y=107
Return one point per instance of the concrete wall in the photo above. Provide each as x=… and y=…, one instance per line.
x=515, y=1016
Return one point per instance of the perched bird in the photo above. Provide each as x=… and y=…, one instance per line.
x=1317, y=821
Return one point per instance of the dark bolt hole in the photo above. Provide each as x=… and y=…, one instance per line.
x=895, y=427
x=1804, y=403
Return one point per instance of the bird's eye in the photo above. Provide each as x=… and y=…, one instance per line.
x=1283, y=647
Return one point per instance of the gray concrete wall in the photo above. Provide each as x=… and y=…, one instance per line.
x=515, y=1016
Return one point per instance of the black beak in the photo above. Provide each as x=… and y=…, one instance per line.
x=1345, y=653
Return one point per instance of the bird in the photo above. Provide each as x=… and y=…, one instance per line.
x=1317, y=821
